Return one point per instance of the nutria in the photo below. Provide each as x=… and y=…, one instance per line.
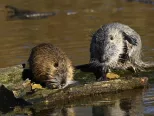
x=115, y=46
x=50, y=66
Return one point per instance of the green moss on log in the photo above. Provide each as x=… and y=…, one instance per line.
x=11, y=77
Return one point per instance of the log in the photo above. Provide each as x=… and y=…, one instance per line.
x=96, y=88
x=12, y=78
x=16, y=13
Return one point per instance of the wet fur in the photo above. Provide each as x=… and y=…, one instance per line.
x=115, y=46
x=49, y=64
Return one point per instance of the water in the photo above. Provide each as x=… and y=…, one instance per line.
x=128, y=103
x=70, y=29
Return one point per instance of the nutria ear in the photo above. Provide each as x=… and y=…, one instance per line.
x=130, y=39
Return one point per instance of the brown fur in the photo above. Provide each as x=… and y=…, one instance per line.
x=49, y=64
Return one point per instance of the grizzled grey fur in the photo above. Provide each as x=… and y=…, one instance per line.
x=115, y=46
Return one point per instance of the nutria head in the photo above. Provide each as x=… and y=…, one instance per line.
x=114, y=45
x=50, y=66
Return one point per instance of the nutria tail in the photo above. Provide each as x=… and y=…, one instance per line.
x=51, y=66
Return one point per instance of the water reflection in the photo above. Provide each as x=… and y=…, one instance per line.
x=149, y=101
x=128, y=103
x=125, y=105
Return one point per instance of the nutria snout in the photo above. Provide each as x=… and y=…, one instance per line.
x=115, y=46
x=51, y=66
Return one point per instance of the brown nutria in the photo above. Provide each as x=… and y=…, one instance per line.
x=51, y=66
x=116, y=46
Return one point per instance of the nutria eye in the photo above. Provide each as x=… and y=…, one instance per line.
x=56, y=65
x=111, y=38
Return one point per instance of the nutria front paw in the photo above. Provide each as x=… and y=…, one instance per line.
x=102, y=79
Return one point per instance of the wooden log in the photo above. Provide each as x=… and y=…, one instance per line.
x=96, y=88
x=11, y=78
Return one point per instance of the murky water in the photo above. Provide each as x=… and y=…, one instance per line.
x=70, y=29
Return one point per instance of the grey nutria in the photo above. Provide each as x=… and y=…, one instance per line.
x=115, y=46
x=51, y=66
